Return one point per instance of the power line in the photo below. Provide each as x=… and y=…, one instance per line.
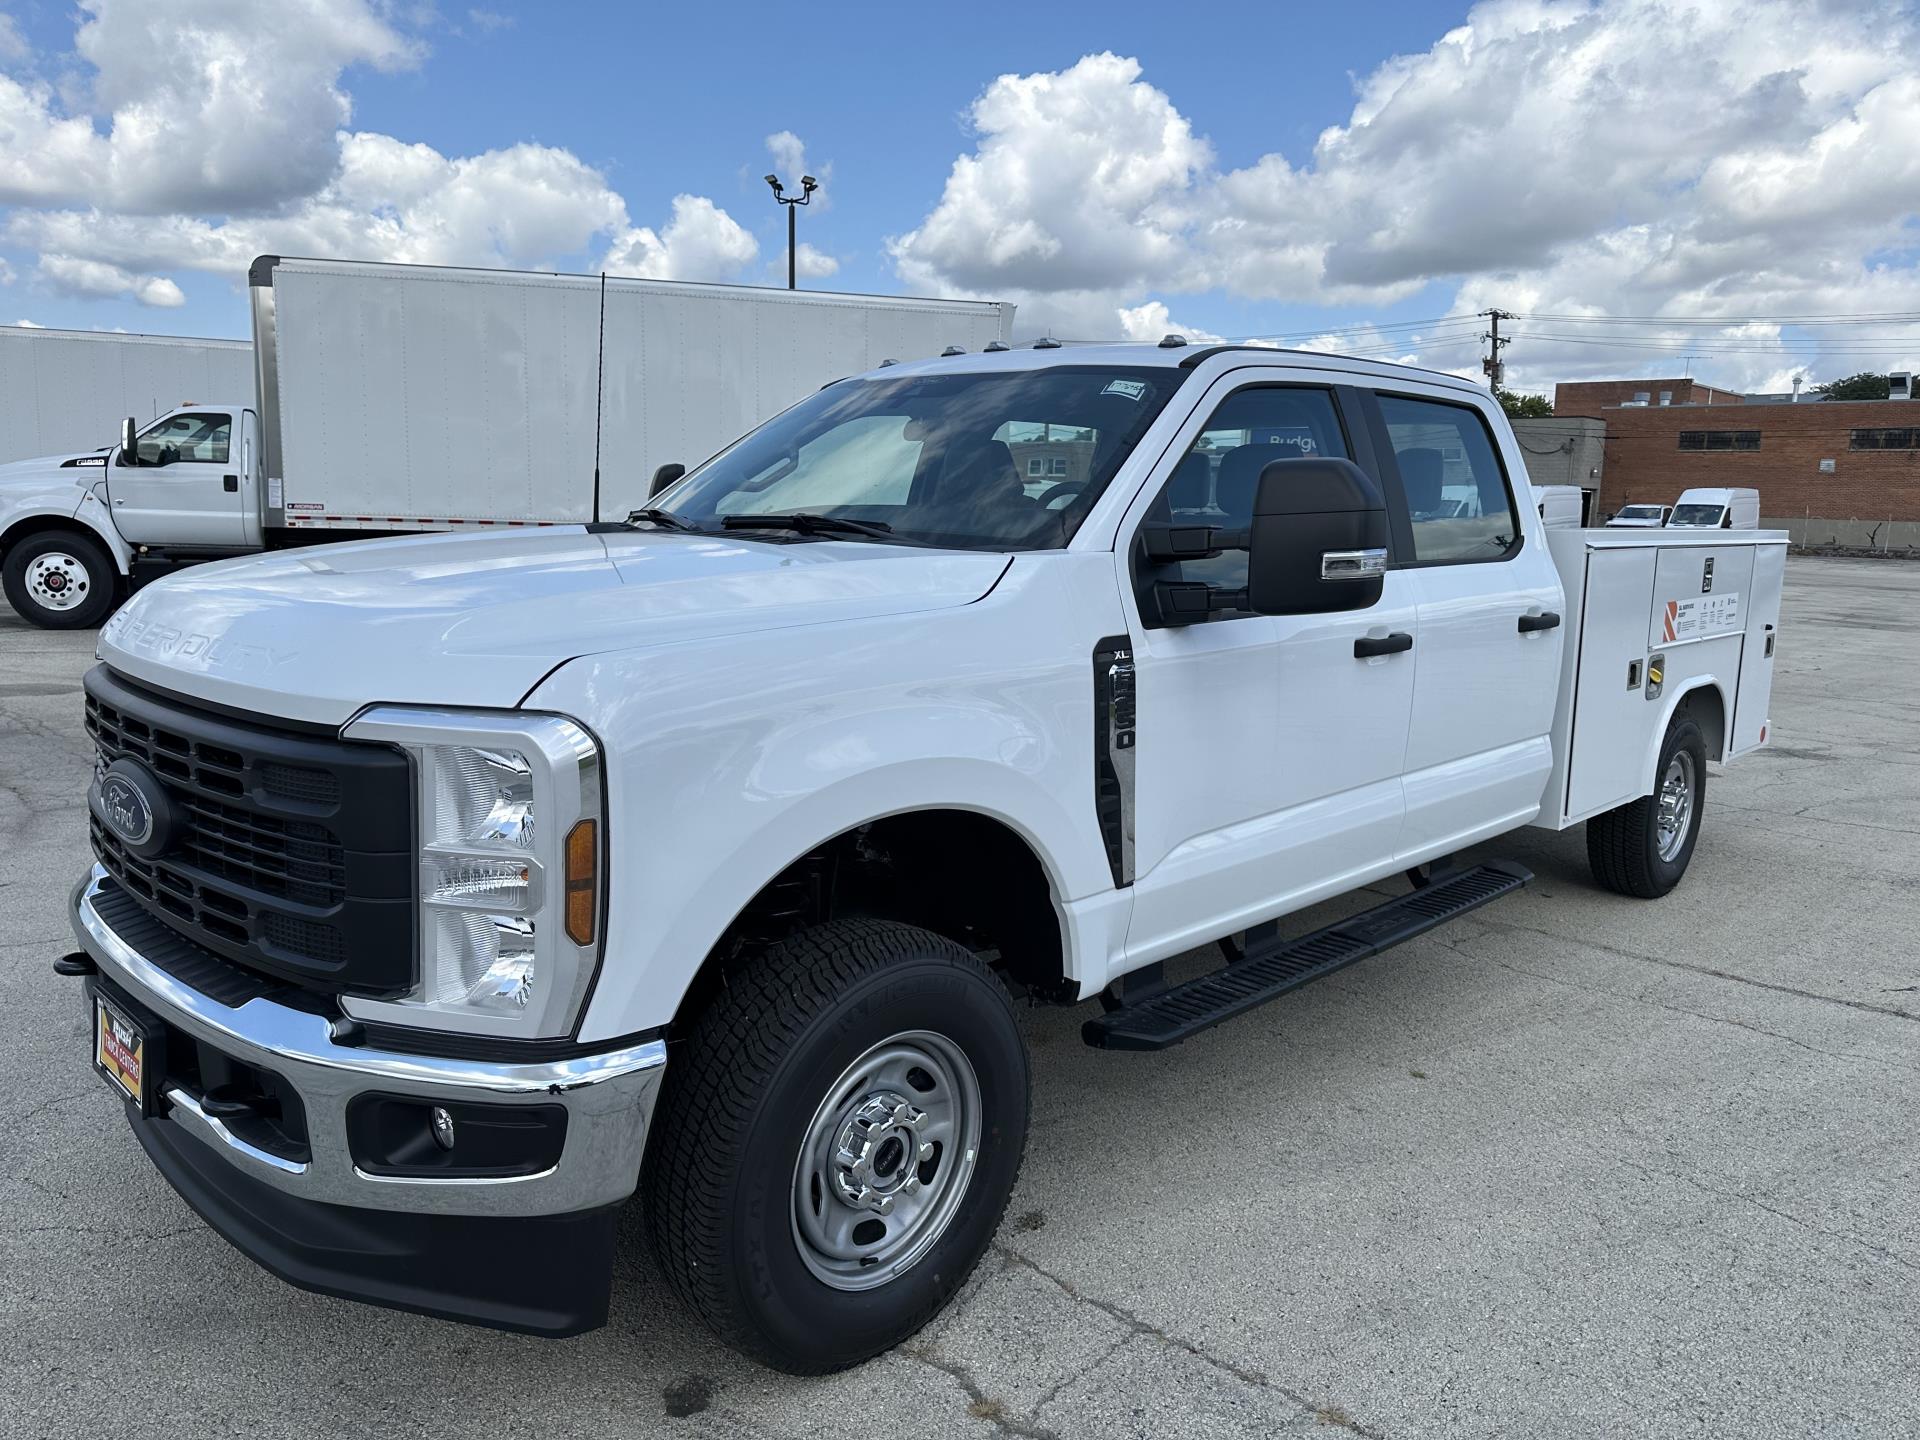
x=1838, y=318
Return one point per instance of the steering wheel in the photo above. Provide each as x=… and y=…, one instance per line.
x=1065, y=490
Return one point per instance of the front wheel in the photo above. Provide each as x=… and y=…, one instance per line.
x=1642, y=848
x=838, y=1142
x=60, y=580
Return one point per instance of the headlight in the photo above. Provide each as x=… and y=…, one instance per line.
x=509, y=840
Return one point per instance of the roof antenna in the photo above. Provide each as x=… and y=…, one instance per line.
x=1046, y=342
x=1172, y=342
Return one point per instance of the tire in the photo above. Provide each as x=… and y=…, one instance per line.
x=1627, y=848
x=60, y=580
x=783, y=1055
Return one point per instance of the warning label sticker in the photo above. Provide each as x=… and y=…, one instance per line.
x=1696, y=618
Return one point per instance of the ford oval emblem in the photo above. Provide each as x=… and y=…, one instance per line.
x=130, y=802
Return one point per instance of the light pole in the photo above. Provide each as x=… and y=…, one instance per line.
x=807, y=186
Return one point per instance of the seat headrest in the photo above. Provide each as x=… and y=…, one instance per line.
x=1422, y=472
x=1191, y=483
x=1240, y=468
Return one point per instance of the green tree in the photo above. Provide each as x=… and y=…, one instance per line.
x=1864, y=386
x=1533, y=407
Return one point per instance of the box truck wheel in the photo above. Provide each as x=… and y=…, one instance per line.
x=60, y=580
x=837, y=1142
x=1642, y=848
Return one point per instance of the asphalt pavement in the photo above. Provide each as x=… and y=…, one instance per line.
x=1576, y=1165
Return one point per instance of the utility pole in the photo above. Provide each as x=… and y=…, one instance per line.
x=807, y=186
x=1496, y=370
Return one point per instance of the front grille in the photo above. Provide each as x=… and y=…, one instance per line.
x=288, y=853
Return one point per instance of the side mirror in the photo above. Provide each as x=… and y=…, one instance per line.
x=664, y=477
x=129, y=450
x=1318, y=542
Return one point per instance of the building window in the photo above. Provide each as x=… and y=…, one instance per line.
x=1057, y=465
x=1900, y=439
x=1720, y=439
x=1036, y=466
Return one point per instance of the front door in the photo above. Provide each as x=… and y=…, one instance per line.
x=1267, y=756
x=1489, y=656
x=185, y=490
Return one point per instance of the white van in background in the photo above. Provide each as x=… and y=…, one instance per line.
x=1716, y=510
x=1642, y=517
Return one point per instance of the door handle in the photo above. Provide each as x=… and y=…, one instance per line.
x=230, y=484
x=1367, y=646
x=1546, y=620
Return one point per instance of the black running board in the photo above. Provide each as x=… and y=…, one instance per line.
x=1270, y=970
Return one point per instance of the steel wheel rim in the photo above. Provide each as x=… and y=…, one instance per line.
x=57, y=580
x=1674, y=814
x=875, y=1185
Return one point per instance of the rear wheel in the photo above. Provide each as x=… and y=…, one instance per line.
x=838, y=1141
x=60, y=580
x=1642, y=848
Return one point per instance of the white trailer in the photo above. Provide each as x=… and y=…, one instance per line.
x=490, y=397
x=68, y=390
x=394, y=398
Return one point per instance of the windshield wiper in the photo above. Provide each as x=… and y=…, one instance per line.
x=805, y=522
x=665, y=519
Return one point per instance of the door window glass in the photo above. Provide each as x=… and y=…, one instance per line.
x=201, y=437
x=1215, y=481
x=1457, y=495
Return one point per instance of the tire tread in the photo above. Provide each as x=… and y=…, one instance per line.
x=767, y=1000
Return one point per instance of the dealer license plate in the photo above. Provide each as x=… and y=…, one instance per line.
x=122, y=1047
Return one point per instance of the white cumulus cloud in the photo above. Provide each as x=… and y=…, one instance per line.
x=700, y=242
x=1631, y=157
x=70, y=275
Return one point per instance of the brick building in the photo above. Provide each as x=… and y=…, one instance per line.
x=1588, y=397
x=1827, y=470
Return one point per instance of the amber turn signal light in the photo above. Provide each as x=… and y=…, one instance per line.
x=583, y=857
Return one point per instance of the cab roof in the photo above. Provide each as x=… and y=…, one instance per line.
x=1144, y=355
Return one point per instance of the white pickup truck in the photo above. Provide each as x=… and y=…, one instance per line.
x=450, y=888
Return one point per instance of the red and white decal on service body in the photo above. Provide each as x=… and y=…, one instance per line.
x=1696, y=618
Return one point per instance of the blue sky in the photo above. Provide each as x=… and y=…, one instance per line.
x=1235, y=169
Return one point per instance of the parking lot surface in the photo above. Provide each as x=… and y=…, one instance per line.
x=1575, y=1165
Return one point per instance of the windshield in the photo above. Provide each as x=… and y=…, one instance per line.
x=1639, y=512
x=997, y=460
x=1708, y=515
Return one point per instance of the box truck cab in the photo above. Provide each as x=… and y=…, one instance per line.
x=1716, y=510
x=181, y=490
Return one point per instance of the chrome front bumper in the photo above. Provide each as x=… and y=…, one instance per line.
x=609, y=1098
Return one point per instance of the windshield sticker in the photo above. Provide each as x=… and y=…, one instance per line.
x=1132, y=389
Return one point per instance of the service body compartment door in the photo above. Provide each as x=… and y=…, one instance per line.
x=1610, y=711
x=1750, y=711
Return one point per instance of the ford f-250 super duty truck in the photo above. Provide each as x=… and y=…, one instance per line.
x=450, y=888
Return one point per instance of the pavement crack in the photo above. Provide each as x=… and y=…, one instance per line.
x=1747, y=1025
x=1891, y=1011
x=980, y=1405
x=1325, y=1414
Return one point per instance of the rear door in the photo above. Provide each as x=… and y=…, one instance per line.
x=186, y=488
x=1488, y=663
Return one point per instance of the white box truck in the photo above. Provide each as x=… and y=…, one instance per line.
x=63, y=393
x=395, y=398
x=450, y=889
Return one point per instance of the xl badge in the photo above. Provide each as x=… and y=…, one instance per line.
x=130, y=803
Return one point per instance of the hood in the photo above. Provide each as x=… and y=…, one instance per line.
x=42, y=468
x=316, y=634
